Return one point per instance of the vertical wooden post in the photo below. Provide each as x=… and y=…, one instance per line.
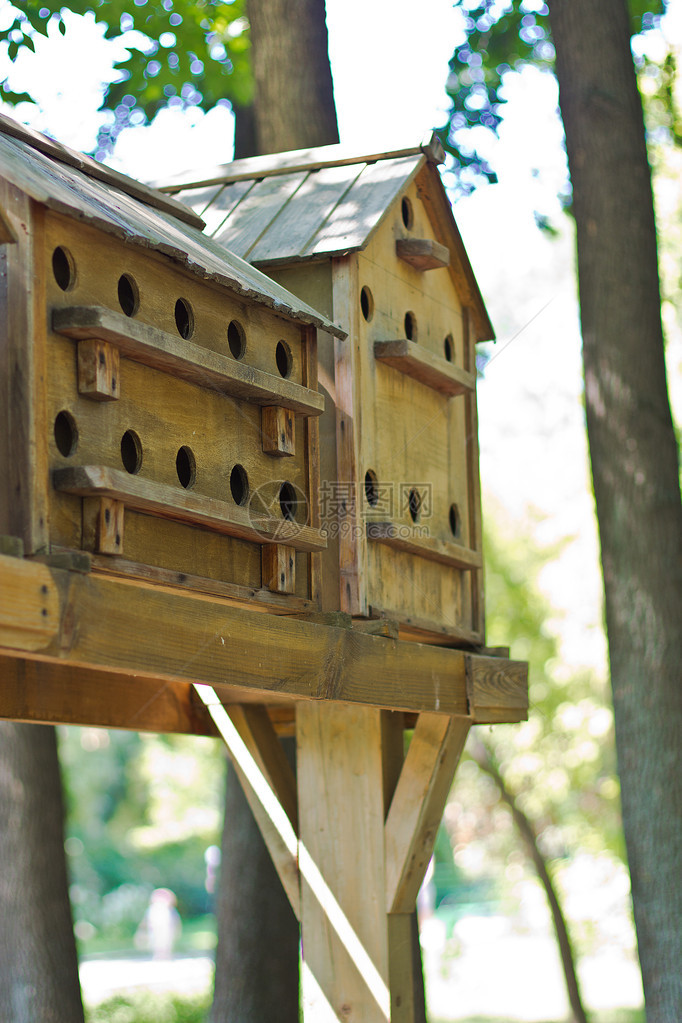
x=341, y=863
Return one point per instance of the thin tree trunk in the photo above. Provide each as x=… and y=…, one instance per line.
x=38, y=962
x=634, y=464
x=481, y=754
x=258, y=935
x=293, y=92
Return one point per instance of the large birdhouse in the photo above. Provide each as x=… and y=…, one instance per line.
x=162, y=395
x=372, y=243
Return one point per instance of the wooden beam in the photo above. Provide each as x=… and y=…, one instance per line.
x=417, y=806
x=497, y=689
x=423, y=253
x=50, y=693
x=29, y=605
x=445, y=552
x=257, y=731
x=162, y=633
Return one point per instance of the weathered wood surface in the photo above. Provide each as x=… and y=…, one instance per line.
x=69, y=190
x=52, y=693
x=341, y=856
x=445, y=552
x=173, y=503
x=421, y=364
x=257, y=167
x=417, y=805
x=423, y=253
x=494, y=688
x=160, y=350
x=159, y=633
x=29, y=605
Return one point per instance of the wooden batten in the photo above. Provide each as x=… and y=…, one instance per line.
x=423, y=253
x=162, y=351
x=444, y=552
x=277, y=425
x=279, y=568
x=99, y=370
x=422, y=365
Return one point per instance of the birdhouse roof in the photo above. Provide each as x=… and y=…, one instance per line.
x=313, y=204
x=71, y=183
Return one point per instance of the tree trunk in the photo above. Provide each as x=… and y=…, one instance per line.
x=294, y=96
x=258, y=936
x=38, y=962
x=481, y=754
x=634, y=464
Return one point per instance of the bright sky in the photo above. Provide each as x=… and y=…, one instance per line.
x=390, y=61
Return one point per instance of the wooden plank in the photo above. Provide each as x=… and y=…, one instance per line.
x=291, y=232
x=29, y=605
x=341, y=857
x=473, y=474
x=198, y=199
x=279, y=568
x=373, y=192
x=405, y=969
x=445, y=552
x=277, y=425
x=422, y=253
x=312, y=459
x=23, y=498
x=51, y=693
x=417, y=362
x=252, y=217
x=243, y=596
x=273, y=822
x=253, y=723
x=160, y=633
x=417, y=806
x=228, y=197
x=160, y=350
x=350, y=416
x=497, y=689
x=99, y=371
x=110, y=526
x=174, y=503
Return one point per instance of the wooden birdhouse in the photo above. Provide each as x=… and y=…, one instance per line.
x=161, y=395
x=371, y=241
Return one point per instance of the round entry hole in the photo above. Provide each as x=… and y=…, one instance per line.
x=407, y=213
x=239, y=484
x=184, y=318
x=236, y=339
x=65, y=433
x=128, y=294
x=288, y=501
x=366, y=304
x=63, y=268
x=410, y=326
x=449, y=346
x=284, y=358
x=455, y=521
x=414, y=503
x=131, y=452
x=186, y=467
x=371, y=488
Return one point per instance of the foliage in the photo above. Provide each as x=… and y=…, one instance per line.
x=177, y=52
x=148, y=1007
x=500, y=36
x=560, y=763
x=134, y=824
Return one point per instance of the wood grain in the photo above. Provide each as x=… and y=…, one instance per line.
x=29, y=605
x=175, y=503
x=445, y=552
x=418, y=803
x=422, y=253
x=417, y=362
x=163, y=351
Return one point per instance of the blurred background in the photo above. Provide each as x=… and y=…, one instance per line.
x=144, y=812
